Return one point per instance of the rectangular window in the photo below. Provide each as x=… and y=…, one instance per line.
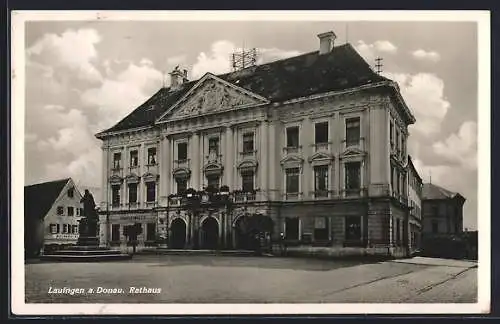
x=292, y=225
x=81, y=209
x=152, y=155
x=182, y=151
x=53, y=229
x=115, y=232
x=352, y=131
x=292, y=180
x=71, y=192
x=60, y=210
x=393, y=187
x=321, y=133
x=353, y=228
x=321, y=225
x=321, y=181
x=115, y=193
x=74, y=229
x=403, y=147
x=134, y=158
x=247, y=179
x=398, y=230
x=213, y=146
x=150, y=232
x=248, y=143
x=435, y=227
x=397, y=140
x=132, y=193
x=391, y=133
x=292, y=137
x=213, y=181
x=65, y=229
x=71, y=211
x=117, y=157
x=181, y=185
x=150, y=191
x=353, y=177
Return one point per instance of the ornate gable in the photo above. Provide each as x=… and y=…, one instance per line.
x=212, y=94
x=352, y=154
x=321, y=158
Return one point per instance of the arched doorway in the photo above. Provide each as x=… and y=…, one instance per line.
x=178, y=234
x=242, y=237
x=209, y=233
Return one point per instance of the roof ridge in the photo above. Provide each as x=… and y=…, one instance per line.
x=48, y=182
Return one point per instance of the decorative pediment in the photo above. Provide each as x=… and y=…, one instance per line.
x=181, y=173
x=212, y=94
x=150, y=177
x=352, y=154
x=115, y=180
x=321, y=158
x=213, y=169
x=132, y=178
x=250, y=165
x=292, y=161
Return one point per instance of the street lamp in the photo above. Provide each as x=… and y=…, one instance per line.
x=225, y=198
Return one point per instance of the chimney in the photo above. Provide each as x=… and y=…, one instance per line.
x=177, y=78
x=326, y=41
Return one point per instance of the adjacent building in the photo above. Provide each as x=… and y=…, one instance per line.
x=51, y=214
x=317, y=142
x=415, y=202
x=442, y=210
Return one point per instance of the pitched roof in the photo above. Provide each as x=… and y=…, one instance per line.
x=431, y=191
x=290, y=78
x=412, y=166
x=38, y=198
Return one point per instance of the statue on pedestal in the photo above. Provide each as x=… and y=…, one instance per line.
x=88, y=224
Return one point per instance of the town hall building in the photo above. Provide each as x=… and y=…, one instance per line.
x=315, y=142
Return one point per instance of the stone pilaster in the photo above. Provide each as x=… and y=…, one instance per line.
x=264, y=157
x=229, y=158
x=273, y=156
x=194, y=148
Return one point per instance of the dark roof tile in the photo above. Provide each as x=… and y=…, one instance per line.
x=281, y=80
x=38, y=198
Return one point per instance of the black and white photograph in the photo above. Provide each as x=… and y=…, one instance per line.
x=191, y=162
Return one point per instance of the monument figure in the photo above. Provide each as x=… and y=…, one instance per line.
x=88, y=224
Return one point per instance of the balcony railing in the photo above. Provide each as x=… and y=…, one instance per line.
x=152, y=168
x=182, y=163
x=248, y=154
x=357, y=144
x=117, y=171
x=292, y=195
x=353, y=192
x=132, y=205
x=134, y=169
x=321, y=147
x=151, y=204
x=322, y=194
x=213, y=157
x=292, y=149
x=245, y=196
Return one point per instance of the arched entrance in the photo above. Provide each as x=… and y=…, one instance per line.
x=209, y=233
x=242, y=237
x=178, y=234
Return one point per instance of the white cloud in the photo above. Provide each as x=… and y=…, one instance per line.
x=370, y=51
x=75, y=50
x=176, y=60
x=122, y=91
x=461, y=146
x=424, y=95
x=423, y=55
x=216, y=61
x=385, y=46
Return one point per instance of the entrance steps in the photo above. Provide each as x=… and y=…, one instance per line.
x=167, y=251
x=85, y=254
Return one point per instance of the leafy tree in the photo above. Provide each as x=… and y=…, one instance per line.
x=132, y=232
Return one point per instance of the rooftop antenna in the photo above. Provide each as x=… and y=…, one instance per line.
x=244, y=58
x=347, y=33
x=378, y=65
x=430, y=177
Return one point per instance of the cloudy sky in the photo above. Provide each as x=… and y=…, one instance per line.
x=82, y=77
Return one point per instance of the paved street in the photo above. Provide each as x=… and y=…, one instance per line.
x=225, y=279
